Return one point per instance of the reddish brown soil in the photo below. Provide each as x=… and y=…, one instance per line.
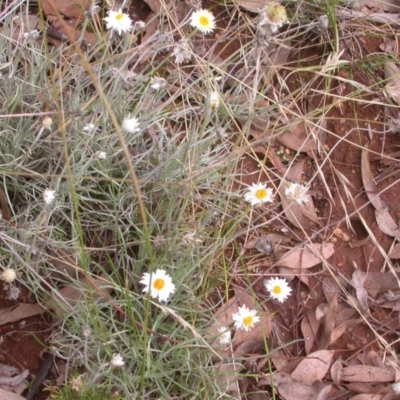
x=23, y=343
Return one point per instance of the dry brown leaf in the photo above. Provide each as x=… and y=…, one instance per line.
x=252, y=5
x=367, y=374
x=321, y=311
x=368, y=180
x=70, y=295
x=295, y=172
x=6, y=395
x=344, y=315
x=279, y=359
x=330, y=288
x=328, y=324
x=292, y=210
x=383, y=218
x=306, y=256
x=290, y=389
x=73, y=10
x=16, y=383
x=304, y=136
x=357, y=281
x=363, y=388
x=291, y=273
x=314, y=367
x=18, y=312
x=275, y=61
x=386, y=222
x=257, y=396
x=337, y=371
x=152, y=23
x=227, y=374
x=324, y=392
x=223, y=317
x=395, y=252
x=376, y=282
x=374, y=359
x=340, y=329
x=392, y=76
x=377, y=5
x=309, y=328
x=297, y=214
x=367, y=397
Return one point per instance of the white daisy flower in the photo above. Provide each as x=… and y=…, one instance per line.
x=89, y=128
x=49, y=196
x=117, y=361
x=258, y=193
x=159, y=284
x=214, y=100
x=224, y=335
x=274, y=15
x=101, y=155
x=118, y=21
x=203, y=20
x=245, y=318
x=297, y=192
x=158, y=83
x=9, y=275
x=278, y=288
x=182, y=52
x=130, y=124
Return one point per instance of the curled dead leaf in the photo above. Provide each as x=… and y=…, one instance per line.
x=365, y=396
x=6, y=395
x=227, y=375
x=366, y=373
x=306, y=256
x=305, y=135
x=337, y=371
x=395, y=252
x=384, y=220
x=309, y=328
x=293, y=211
x=357, y=281
x=392, y=75
x=18, y=312
x=275, y=60
x=223, y=317
x=252, y=5
x=290, y=389
x=63, y=301
x=314, y=367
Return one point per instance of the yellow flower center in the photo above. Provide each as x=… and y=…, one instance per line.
x=204, y=21
x=277, y=290
x=159, y=284
x=261, y=194
x=119, y=16
x=276, y=14
x=247, y=320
